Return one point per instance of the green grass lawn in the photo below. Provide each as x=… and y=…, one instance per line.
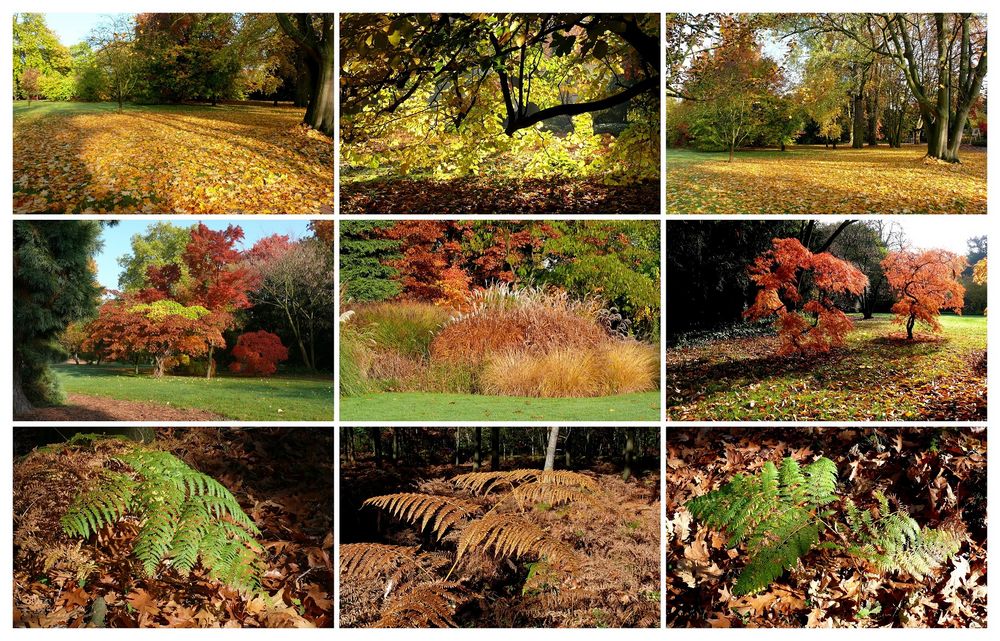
x=878, y=375
x=423, y=406
x=277, y=398
x=817, y=180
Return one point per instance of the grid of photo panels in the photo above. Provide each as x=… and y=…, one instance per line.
x=498, y=320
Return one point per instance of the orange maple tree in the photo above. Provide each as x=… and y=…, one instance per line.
x=926, y=283
x=820, y=325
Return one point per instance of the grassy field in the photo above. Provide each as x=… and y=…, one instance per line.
x=278, y=398
x=88, y=158
x=878, y=375
x=816, y=180
x=421, y=406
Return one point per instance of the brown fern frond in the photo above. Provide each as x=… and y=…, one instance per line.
x=550, y=493
x=370, y=560
x=429, y=605
x=484, y=482
x=510, y=535
x=440, y=512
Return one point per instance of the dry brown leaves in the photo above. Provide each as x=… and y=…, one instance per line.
x=184, y=159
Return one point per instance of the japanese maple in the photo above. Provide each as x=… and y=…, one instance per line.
x=258, y=353
x=820, y=325
x=926, y=283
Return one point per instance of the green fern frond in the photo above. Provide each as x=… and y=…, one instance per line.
x=894, y=542
x=775, y=514
x=185, y=517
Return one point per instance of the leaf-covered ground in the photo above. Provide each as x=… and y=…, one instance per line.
x=80, y=407
x=488, y=195
x=427, y=406
x=878, y=375
x=937, y=474
x=815, y=180
x=617, y=586
x=229, y=159
x=283, y=479
x=284, y=397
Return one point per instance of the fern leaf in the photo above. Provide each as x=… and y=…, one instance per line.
x=429, y=605
x=485, y=482
x=510, y=535
x=439, y=512
x=369, y=560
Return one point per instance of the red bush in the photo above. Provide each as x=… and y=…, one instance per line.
x=258, y=353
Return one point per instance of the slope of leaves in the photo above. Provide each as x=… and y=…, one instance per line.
x=280, y=476
x=178, y=159
x=814, y=180
x=878, y=375
x=480, y=195
x=936, y=475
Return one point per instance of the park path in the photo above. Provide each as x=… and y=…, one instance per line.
x=80, y=407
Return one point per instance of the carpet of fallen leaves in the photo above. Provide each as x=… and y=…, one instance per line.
x=80, y=407
x=185, y=159
x=937, y=474
x=282, y=477
x=811, y=180
x=483, y=195
x=878, y=375
x=618, y=586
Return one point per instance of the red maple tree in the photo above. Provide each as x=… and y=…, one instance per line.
x=926, y=283
x=258, y=353
x=820, y=325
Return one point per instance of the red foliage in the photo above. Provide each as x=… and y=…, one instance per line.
x=258, y=353
x=218, y=279
x=926, y=283
x=429, y=247
x=777, y=273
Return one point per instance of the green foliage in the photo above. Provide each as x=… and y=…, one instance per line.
x=36, y=47
x=163, y=243
x=185, y=517
x=775, y=514
x=53, y=286
x=782, y=513
x=893, y=541
x=364, y=261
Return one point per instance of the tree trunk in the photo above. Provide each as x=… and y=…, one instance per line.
x=477, y=448
x=21, y=403
x=629, y=453
x=376, y=434
x=910, y=322
x=731, y=150
x=350, y=445
x=319, y=114
x=303, y=80
x=567, y=457
x=858, y=130
x=495, y=449
x=550, y=451
x=160, y=369
x=208, y=367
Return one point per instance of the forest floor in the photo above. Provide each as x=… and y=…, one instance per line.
x=282, y=478
x=152, y=159
x=618, y=533
x=428, y=406
x=283, y=397
x=492, y=195
x=938, y=475
x=815, y=180
x=877, y=375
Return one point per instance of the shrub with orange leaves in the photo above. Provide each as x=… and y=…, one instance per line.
x=926, y=283
x=821, y=325
x=258, y=353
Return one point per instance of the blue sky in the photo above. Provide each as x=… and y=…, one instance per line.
x=72, y=28
x=118, y=239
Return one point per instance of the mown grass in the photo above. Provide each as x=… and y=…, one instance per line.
x=277, y=398
x=421, y=406
x=877, y=376
x=816, y=180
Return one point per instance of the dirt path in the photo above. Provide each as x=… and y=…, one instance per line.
x=79, y=407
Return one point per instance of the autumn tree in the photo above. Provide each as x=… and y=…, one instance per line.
x=821, y=324
x=30, y=83
x=313, y=33
x=926, y=283
x=53, y=286
x=114, y=44
x=732, y=85
x=258, y=353
x=979, y=272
